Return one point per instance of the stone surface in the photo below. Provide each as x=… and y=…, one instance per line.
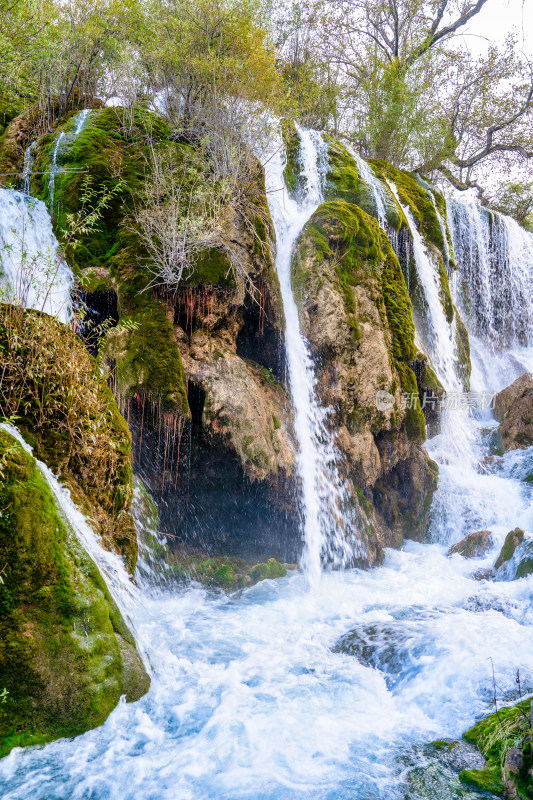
x=475, y=545
x=513, y=407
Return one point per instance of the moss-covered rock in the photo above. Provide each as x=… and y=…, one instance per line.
x=513, y=540
x=357, y=315
x=504, y=738
x=462, y=343
x=513, y=407
x=68, y=414
x=417, y=198
x=344, y=182
x=270, y=570
x=66, y=655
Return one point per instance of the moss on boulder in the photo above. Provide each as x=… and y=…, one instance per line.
x=66, y=655
x=504, y=738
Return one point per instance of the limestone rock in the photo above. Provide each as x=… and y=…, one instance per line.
x=475, y=545
x=513, y=407
x=357, y=316
x=244, y=405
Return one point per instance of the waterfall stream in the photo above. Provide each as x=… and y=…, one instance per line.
x=329, y=535
x=250, y=699
x=32, y=270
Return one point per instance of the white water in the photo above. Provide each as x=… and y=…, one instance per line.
x=374, y=184
x=495, y=274
x=33, y=274
x=329, y=535
x=436, y=332
x=54, y=169
x=29, y=159
x=248, y=699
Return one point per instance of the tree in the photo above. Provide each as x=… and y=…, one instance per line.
x=413, y=94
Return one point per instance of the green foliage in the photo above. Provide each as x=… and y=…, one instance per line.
x=61, y=663
x=293, y=169
x=64, y=407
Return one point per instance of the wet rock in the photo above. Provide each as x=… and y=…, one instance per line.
x=513, y=407
x=516, y=556
x=475, y=545
x=437, y=776
x=357, y=316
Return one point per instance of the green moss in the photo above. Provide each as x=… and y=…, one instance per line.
x=399, y=307
x=494, y=736
x=444, y=293
x=268, y=571
x=115, y=160
x=292, y=173
x=417, y=198
x=512, y=541
x=60, y=658
x=487, y=779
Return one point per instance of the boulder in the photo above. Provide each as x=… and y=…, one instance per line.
x=516, y=556
x=513, y=407
x=475, y=545
x=66, y=654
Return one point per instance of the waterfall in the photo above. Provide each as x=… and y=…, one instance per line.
x=374, y=184
x=54, y=170
x=436, y=332
x=324, y=496
x=79, y=124
x=495, y=261
x=33, y=274
x=494, y=257
x=29, y=159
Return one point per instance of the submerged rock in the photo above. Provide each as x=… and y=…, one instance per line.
x=66, y=655
x=436, y=774
x=475, y=545
x=513, y=407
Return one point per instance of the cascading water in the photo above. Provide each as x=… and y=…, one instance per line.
x=29, y=159
x=33, y=273
x=437, y=333
x=495, y=277
x=375, y=186
x=329, y=534
x=62, y=140
x=250, y=699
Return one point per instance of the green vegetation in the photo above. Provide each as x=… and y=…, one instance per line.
x=417, y=198
x=54, y=390
x=293, y=170
x=66, y=655
x=224, y=572
x=509, y=729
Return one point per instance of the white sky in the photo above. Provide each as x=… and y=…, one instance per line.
x=497, y=19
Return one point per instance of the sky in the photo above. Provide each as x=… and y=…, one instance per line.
x=497, y=19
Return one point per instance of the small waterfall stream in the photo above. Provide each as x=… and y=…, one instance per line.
x=250, y=700
x=329, y=535
x=32, y=270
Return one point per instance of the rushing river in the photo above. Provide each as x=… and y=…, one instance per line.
x=250, y=697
